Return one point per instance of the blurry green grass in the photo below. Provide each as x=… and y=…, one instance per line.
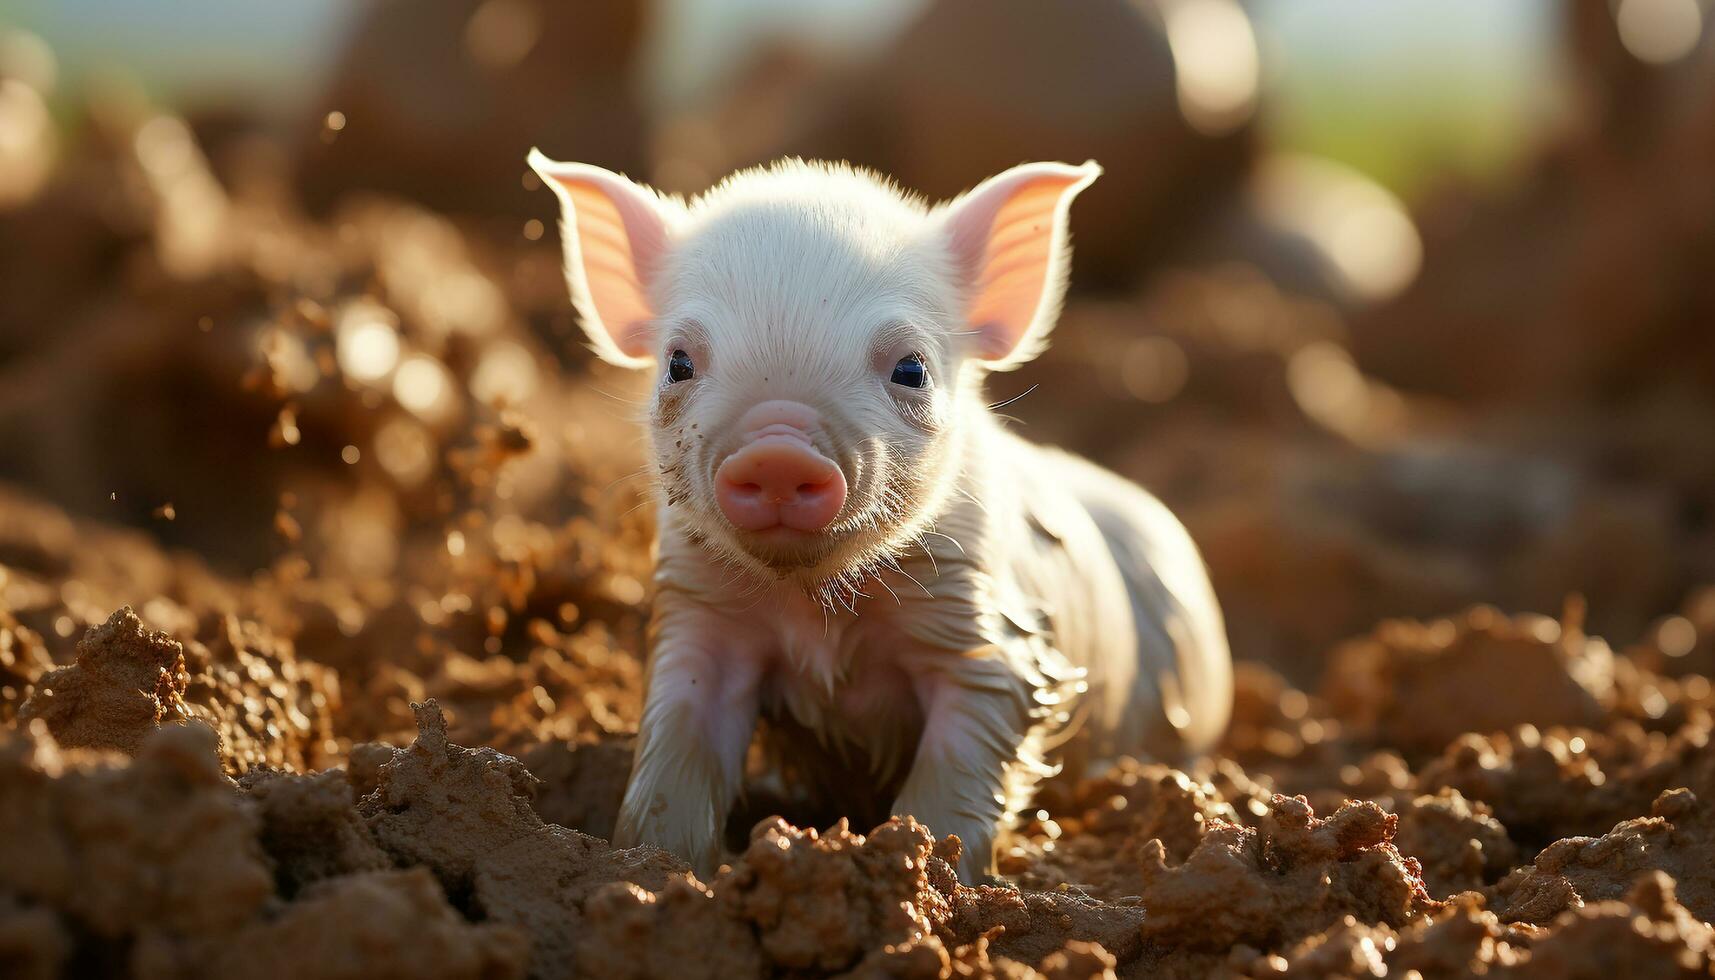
x=1409, y=142
x=1413, y=92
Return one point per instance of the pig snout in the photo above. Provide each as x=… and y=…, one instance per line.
x=777, y=477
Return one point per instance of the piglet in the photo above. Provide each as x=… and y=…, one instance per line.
x=906, y=607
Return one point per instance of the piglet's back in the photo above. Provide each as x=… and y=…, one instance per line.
x=1117, y=582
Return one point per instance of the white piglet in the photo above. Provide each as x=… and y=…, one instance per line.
x=918, y=611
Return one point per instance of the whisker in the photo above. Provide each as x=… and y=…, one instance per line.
x=935, y=566
x=972, y=498
x=949, y=537
x=920, y=585
x=997, y=406
x=641, y=472
x=889, y=589
x=634, y=508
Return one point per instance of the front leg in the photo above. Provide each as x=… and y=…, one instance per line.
x=699, y=714
x=973, y=758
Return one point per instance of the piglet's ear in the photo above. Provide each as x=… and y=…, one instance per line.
x=1009, y=243
x=615, y=235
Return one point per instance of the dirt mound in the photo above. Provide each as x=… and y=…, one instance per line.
x=127, y=682
x=1649, y=934
x=144, y=860
x=1460, y=844
x=1421, y=685
x=466, y=815
x=268, y=709
x=1295, y=876
x=1675, y=839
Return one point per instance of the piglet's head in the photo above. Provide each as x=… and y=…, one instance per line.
x=818, y=340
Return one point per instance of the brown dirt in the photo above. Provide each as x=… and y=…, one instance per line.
x=1419, y=685
x=246, y=685
x=127, y=845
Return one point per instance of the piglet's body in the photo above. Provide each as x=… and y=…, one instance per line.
x=919, y=612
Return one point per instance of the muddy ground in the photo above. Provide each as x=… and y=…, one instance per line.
x=324, y=563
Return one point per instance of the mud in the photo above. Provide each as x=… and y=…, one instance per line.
x=245, y=684
x=177, y=805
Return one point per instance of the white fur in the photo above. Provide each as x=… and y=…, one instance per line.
x=976, y=593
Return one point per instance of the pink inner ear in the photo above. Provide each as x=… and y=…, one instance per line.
x=621, y=239
x=1005, y=236
x=1014, y=275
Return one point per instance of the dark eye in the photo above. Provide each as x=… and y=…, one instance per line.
x=680, y=368
x=911, y=372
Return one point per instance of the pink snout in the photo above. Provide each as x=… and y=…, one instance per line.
x=777, y=477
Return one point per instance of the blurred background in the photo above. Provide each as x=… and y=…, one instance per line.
x=1401, y=306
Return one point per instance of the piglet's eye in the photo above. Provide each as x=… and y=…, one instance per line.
x=911, y=372
x=680, y=368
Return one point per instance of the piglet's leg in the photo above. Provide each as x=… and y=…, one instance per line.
x=974, y=732
x=698, y=719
